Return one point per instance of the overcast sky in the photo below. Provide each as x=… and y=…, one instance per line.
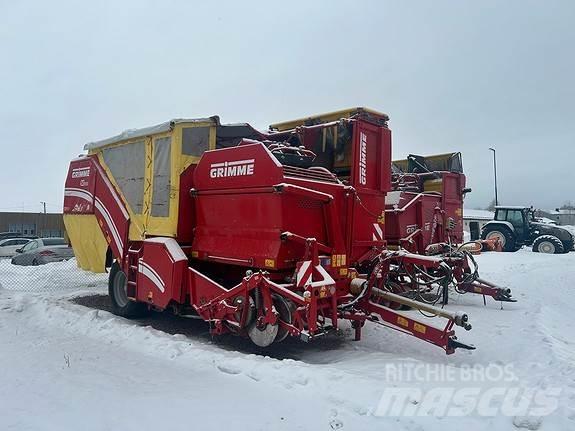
x=453, y=76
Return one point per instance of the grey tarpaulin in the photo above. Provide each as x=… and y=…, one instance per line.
x=195, y=140
x=161, y=185
x=127, y=165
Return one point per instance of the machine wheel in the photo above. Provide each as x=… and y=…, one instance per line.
x=505, y=236
x=548, y=244
x=251, y=311
x=284, y=308
x=263, y=336
x=400, y=289
x=117, y=289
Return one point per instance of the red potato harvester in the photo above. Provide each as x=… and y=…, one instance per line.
x=265, y=235
x=424, y=214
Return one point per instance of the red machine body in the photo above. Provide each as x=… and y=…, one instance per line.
x=242, y=219
x=416, y=218
x=273, y=238
x=424, y=213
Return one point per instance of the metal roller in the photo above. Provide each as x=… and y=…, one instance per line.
x=460, y=319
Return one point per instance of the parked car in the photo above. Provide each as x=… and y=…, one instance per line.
x=6, y=235
x=9, y=246
x=43, y=250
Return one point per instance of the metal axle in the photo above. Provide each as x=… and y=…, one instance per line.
x=459, y=318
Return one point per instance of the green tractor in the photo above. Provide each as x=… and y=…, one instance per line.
x=517, y=226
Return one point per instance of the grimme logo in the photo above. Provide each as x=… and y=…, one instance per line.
x=232, y=169
x=362, y=158
x=81, y=172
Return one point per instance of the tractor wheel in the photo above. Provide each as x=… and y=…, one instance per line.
x=548, y=244
x=503, y=234
x=117, y=289
x=567, y=247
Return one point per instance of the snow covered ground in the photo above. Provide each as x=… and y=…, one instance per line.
x=64, y=366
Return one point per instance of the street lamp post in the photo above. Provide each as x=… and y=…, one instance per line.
x=495, y=174
x=43, y=224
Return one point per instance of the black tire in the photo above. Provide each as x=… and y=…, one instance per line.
x=121, y=305
x=508, y=238
x=548, y=244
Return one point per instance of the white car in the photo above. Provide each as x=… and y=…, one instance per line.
x=9, y=246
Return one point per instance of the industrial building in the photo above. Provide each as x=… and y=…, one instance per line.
x=29, y=223
x=562, y=217
x=474, y=220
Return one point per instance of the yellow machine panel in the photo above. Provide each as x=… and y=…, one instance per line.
x=326, y=118
x=89, y=242
x=435, y=185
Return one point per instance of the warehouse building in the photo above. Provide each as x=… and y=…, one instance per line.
x=562, y=217
x=474, y=220
x=39, y=224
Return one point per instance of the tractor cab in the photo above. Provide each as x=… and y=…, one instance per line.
x=518, y=217
x=514, y=227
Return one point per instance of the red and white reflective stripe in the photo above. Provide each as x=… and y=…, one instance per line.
x=378, y=234
x=111, y=226
x=327, y=280
x=146, y=270
x=112, y=191
x=304, y=273
x=83, y=194
x=79, y=193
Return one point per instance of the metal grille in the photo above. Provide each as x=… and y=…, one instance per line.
x=310, y=174
x=309, y=204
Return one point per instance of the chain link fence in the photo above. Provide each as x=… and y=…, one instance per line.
x=55, y=276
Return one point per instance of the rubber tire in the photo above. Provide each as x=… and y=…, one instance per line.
x=548, y=238
x=509, y=236
x=132, y=309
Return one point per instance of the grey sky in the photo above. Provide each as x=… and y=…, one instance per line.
x=453, y=76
